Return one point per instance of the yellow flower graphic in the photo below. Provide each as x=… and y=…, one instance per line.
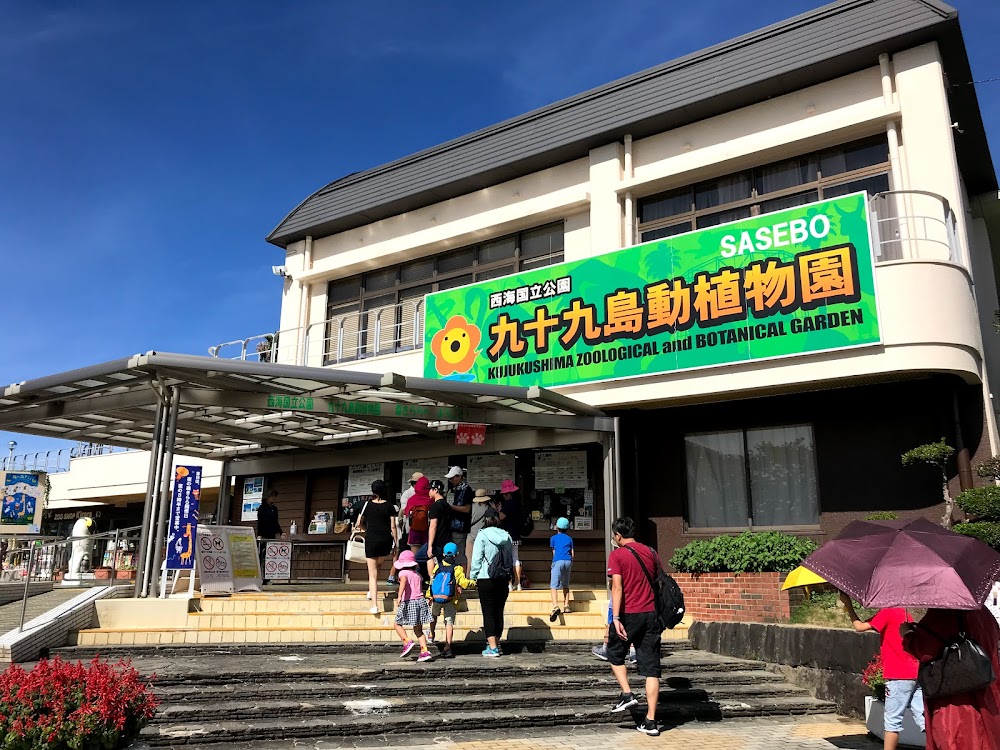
x=454, y=346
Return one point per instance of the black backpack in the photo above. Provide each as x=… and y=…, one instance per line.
x=667, y=595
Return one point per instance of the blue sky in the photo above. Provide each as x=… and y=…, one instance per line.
x=146, y=149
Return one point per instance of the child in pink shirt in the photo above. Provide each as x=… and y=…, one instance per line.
x=412, y=608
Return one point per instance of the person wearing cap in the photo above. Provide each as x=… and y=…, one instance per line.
x=512, y=521
x=267, y=526
x=481, y=502
x=439, y=528
x=449, y=608
x=412, y=608
x=461, y=506
x=561, y=545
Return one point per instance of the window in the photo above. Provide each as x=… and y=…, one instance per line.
x=861, y=165
x=763, y=477
x=382, y=311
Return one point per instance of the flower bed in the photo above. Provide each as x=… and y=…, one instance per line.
x=59, y=705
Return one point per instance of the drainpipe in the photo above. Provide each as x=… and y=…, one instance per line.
x=629, y=203
x=965, y=480
x=304, y=305
x=900, y=180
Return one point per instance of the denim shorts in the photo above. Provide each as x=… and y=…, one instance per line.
x=898, y=695
x=560, y=574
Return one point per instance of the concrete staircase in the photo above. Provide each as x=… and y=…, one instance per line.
x=271, y=696
x=341, y=617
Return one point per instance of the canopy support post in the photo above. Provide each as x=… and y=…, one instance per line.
x=159, y=538
x=225, y=497
x=152, y=494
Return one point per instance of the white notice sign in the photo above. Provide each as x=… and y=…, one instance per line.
x=278, y=561
x=432, y=468
x=561, y=469
x=227, y=559
x=360, y=478
x=488, y=472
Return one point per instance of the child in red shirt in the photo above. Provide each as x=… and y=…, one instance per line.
x=898, y=667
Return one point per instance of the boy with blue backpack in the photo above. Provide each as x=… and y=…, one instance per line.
x=447, y=583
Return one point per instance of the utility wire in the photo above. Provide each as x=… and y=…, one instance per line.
x=973, y=83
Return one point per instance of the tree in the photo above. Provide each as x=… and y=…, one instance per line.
x=937, y=455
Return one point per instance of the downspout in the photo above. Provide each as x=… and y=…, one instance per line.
x=629, y=203
x=304, y=306
x=900, y=180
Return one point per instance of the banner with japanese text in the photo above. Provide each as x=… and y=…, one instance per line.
x=182, y=530
x=788, y=283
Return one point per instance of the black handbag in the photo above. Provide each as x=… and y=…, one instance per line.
x=963, y=667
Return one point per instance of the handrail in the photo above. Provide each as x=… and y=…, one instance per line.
x=915, y=224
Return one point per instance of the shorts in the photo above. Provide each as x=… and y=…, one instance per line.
x=898, y=695
x=514, y=546
x=644, y=633
x=449, y=609
x=560, y=574
x=413, y=612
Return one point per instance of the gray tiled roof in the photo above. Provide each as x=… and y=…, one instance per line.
x=833, y=40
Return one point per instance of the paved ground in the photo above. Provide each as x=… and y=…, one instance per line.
x=804, y=733
x=10, y=614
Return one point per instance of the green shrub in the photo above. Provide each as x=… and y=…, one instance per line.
x=981, y=503
x=935, y=454
x=985, y=531
x=767, y=551
x=882, y=515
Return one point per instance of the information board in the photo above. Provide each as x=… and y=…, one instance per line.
x=560, y=470
x=227, y=559
x=360, y=478
x=489, y=471
x=278, y=561
x=253, y=494
x=432, y=468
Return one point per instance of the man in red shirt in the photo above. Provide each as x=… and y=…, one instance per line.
x=898, y=667
x=634, y=620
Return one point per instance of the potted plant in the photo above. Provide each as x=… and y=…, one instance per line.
x=102, y=573
x=874, y=679
x=126, y=572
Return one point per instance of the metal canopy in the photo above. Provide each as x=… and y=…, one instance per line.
x=228, y=409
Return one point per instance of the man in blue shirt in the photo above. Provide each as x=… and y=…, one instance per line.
x=562, y=561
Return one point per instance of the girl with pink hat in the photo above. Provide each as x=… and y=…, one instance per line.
x=413, y=610
x=512, y=521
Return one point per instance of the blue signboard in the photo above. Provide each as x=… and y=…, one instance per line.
x=183, y=527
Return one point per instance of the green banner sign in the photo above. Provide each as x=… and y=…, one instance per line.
x=788, y=283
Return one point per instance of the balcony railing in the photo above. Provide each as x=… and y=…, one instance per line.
x=914, y=225
x=342, y=338
x=54, y=461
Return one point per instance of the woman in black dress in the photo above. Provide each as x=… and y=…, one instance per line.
x=378, y=521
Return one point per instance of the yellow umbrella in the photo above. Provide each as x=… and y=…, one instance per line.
x=801, y=577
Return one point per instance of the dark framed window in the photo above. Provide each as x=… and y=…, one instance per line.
x=381, y=311
x=747, y=478
x=860, y=165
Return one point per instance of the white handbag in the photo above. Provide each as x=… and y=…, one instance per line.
x=355, y=551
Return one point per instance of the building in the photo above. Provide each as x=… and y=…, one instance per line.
x=813, y=293
x=853, y=96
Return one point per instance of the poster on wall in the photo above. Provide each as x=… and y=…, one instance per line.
x=182, y=530
x=560, y=469
x=278, y=561
x=432, y=468
x=360, y=478
x=784, y=284
x=22, y=501
x=253, y=495
x=227, y=559
x=488, y=472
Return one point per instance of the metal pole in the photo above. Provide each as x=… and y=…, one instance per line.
x=27, y=583
x=619, y=502
x=164, y=509
x=222, y=508
x=151, y=494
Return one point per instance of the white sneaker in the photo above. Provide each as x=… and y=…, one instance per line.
x=375, y=611
x=368, y=596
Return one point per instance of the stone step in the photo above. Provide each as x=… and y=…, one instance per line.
x=196, y=651
x=365, y=619
x=270, y=606
x=338, y=698
x=383, y=717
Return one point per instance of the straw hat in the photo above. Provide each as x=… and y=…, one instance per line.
x=482, y=496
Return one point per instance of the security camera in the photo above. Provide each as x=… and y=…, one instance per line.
x=279, y=271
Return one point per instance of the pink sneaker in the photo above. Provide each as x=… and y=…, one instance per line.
x=407, y=648
x=425, y=656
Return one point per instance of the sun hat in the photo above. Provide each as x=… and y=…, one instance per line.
x=437, y=484
x=482, y=496
x=562, y=523
x=508, y=486
x=415, y=476
x=450, y=549
x=455, y=471
x=406, y=560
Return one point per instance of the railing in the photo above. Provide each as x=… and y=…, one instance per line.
x=343, y=338
x=43, y=560
x=914, y=224
x=55, y=461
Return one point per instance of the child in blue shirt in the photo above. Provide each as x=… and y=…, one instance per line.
x=562, y=561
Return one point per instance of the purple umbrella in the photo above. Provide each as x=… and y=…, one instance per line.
x=907, y=564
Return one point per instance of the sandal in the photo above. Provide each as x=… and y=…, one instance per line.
x=555, y=614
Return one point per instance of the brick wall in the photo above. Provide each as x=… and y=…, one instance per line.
x=736, y=597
